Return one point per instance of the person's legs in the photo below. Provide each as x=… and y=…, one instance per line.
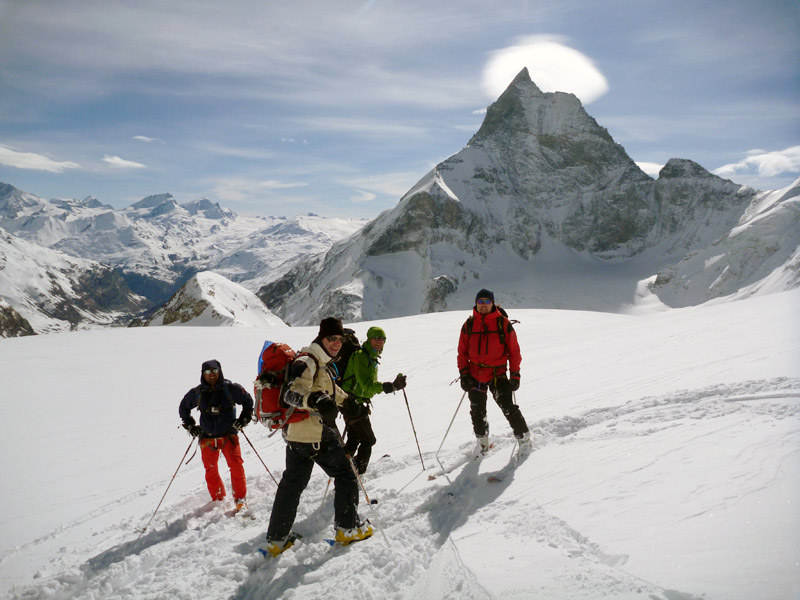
x=361, y=430
x=210, y=455
x=477, y=411
x=333, y=461
x=294, y=480
x=232, y=451
x=503, y=396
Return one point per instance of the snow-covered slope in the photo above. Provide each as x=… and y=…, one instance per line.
x=55, y=292
x=208, y=299
x=665, y=466
x=543, y=204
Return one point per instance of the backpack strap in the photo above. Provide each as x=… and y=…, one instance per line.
x=198, y=394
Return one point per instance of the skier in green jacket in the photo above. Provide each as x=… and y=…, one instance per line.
x=360, y=381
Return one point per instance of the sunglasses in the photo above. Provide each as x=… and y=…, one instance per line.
x=335, y=338
x=380, y=339
x=484, y=301
x=210, y=371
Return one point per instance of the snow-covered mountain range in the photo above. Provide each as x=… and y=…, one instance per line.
x=543, y=206
x=146, y=251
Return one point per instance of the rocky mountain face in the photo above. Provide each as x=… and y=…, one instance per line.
x=759, y=254
x=137, y=257
x=541, y=204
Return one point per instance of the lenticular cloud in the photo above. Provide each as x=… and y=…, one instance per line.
x=554, y=67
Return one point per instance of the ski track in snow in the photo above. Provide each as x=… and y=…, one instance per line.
x=426, y=523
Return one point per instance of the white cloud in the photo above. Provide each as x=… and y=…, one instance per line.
x=650, y=168
x=767, y=164
x=364, y=127
x=394, y=185
x=33, y=161
x=148, y=140
x=121, y=163
x=242, y=189
x=363, y=196
x=553, y=67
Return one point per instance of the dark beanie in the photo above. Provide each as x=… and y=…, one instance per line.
x=484, y=293
x=330, y=326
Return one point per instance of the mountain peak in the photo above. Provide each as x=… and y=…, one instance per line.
x=524, y=109
x=209, y=299
x=152, y=201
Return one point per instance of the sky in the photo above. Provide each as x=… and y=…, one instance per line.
x=339, y=107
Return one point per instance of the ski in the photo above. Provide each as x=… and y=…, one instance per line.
x=472, y=456
x=332, y=542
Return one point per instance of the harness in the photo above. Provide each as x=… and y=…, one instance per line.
x=209, y=410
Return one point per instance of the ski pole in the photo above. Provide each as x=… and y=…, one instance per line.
x=413, y=429
x=360, y=483
x=447, y=432
x=143, y=529
x=259, y=457
x=325, y=495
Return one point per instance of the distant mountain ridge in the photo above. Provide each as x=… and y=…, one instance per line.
x=150, y=249
x=542, y=205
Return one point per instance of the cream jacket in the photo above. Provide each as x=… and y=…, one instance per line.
x=317, y=377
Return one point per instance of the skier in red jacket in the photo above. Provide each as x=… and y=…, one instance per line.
x=487, y=343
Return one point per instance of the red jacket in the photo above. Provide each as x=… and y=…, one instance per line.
x=481, y=350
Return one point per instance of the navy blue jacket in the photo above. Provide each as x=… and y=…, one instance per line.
x=216, y=405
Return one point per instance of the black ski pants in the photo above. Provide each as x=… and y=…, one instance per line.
x=300, y=460
x=360, y=440
x=501, y=391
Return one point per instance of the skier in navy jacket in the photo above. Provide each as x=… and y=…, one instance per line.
x=216, y=399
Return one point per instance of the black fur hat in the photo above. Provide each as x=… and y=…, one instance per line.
x=330, y=326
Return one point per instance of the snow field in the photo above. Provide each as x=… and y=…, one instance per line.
x=665, y=467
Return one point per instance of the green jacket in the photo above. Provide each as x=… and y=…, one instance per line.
x=361, y=376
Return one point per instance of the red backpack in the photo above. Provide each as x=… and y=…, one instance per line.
x=273, y=367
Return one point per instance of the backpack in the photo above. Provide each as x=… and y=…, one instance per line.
x=350, y=346
x=273, y=367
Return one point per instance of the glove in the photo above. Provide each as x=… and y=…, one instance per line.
x=513, y=383
x=468, y=382
x=350, y=408
x=325, y=406
x=194, y=430
x=388, y=387
x=267, y=380
x=242, y=421
x=399, y=382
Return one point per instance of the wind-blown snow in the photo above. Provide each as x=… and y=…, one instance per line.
x=666, y=466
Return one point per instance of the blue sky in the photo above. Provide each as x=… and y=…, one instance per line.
x=337, y=107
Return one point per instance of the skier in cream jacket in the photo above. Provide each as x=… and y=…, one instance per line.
x=311, y=387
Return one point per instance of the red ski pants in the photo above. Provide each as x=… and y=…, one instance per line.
x=209, y=450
